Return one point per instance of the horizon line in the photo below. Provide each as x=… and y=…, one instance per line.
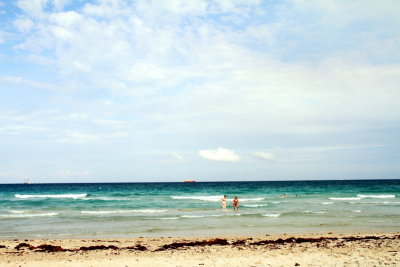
x=218, y=181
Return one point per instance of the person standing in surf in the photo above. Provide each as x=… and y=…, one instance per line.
x=223, y=203
x=235, y=203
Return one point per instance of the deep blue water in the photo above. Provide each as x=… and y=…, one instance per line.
x=183, y=209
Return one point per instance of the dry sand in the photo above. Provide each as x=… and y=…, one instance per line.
x=284, y=250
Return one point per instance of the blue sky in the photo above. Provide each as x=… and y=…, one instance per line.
x=162, y=90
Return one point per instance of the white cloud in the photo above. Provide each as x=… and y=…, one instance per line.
x=307, y=154
x=36, y=8
x=219, y=154
x=349, y=12
x=29, y=83
x=197, y=73
x=3, y=37
x=188, y=75
x=114, y=123
x=144, y=72
x=32, y=7
x=134, y=56
x=268, y=156
x=77, y=137
x=23, y=25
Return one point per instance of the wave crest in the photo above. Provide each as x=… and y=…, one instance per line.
x=74, y=196
x=255, y=205
x=272, y=215
x=215, y=198
x=376, y=196
x=120, y=211
x=28, y=215
x=345, y=198
x=203, y=198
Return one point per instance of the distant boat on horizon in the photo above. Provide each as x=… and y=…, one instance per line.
x=26, y=181
x=189, y=181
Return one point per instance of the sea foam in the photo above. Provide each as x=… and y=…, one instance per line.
x=215, y=198
x=203, y=198
x=360, y=196
x=120, y=211
x=377, y=203
x=169, y=218
x=111, y=198
x=314, y=212
x=255, y=205
x=252, y=199
x=202, y=216
x=29, y=215
x=345, y=198
x=376, y=196
x=272, y=215
x=18, y=211
x=391, y=203
x=193, y=216
x=74, y=196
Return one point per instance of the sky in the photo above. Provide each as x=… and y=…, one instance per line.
x=163, y=90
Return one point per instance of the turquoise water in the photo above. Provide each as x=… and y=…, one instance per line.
x=193, y=209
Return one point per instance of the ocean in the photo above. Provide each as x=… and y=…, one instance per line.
x=114, y=210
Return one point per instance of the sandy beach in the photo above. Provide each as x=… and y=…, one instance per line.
x=285, y=250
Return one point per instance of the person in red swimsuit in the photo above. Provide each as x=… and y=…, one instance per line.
x=235, y=203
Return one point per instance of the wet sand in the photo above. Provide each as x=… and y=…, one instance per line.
x=285, y=250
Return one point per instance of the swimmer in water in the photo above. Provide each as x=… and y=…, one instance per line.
x=223, y=202
x=235, y=203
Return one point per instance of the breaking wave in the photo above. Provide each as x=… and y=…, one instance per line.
x=376, y=196
x=74, y=196
x=214, y=198
x=272, y=215
x=120, y=211
x=28, y=215
x=345, y=198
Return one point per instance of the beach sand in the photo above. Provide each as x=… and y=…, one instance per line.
x=285, y=250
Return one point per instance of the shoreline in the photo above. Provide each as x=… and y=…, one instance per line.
x=256, y=234
x=336, y=249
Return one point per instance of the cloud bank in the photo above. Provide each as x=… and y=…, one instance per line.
x=219, y=154
x=114, y=83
